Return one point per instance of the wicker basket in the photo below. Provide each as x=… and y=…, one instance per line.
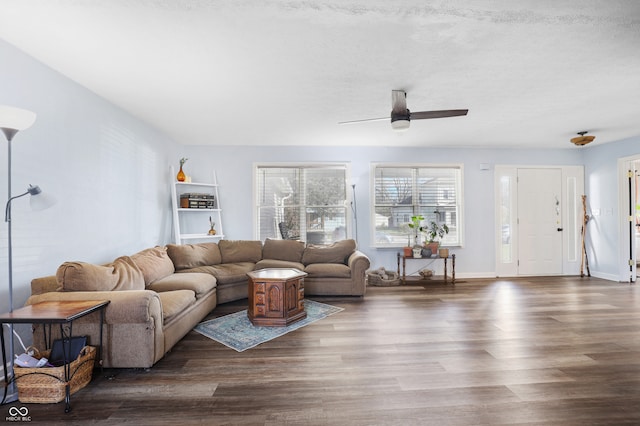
x=46, y=385
x=374, y=279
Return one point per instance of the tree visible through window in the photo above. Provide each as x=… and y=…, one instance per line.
x=405, y=191
x=305, y=202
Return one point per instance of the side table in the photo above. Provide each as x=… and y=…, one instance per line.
x=49, y=313
x=404, y=258
x=276, y=297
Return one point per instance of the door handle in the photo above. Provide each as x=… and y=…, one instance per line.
x=559, y=229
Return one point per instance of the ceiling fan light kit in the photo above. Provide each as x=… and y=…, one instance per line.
x=582, y=140
x=400, y=124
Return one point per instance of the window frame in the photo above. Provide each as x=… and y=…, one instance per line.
x=348, y=204
x=375, y=242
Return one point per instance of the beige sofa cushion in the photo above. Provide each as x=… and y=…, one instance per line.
x=328, y=270
x=121, y=274
x=226, y=273
x=240, y=251
x=271, y=263
x=337, y=252
x=201, y=284
x=154, y=263
x=185, y=256
x=175, y=302
x=289, y=250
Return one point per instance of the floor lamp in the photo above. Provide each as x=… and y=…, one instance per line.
x=12, y=120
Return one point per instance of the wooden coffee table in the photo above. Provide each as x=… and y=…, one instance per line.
x=276, y=297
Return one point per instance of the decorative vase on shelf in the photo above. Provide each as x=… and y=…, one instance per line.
x=181, y=177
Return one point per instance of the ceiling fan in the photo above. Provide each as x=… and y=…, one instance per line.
x=582, y=139
x=401, y=117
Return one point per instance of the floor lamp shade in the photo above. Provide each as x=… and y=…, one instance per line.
x=16, y=118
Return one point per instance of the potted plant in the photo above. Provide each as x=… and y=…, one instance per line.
x=416, y=225
x=434, y=233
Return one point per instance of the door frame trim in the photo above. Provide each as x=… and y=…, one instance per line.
x=626, y=236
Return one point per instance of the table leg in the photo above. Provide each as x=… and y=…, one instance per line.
x=5, y=367
x=66, y=349
x=404, y=269
x=445, y=270
x=100, y=347
x=453, y=269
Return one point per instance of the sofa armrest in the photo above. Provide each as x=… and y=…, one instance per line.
x=358, y=262
x=126, y=307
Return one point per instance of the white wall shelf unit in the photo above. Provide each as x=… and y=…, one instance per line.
x=192, y=224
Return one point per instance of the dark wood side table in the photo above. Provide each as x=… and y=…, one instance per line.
x=404, y=258
x=49, y=313
x=276, y=297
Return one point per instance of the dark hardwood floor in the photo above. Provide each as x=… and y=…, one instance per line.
x=542, y=351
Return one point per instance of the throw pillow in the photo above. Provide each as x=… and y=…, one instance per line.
x=185, y=256
x=337, y=252
x=121, y=274
x=240, y=251
x=154, y=263
x=288, y=250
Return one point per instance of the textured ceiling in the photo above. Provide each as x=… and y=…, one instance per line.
x=267, y=72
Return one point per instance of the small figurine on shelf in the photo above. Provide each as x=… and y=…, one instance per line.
x=212, y=231
x=181, y=177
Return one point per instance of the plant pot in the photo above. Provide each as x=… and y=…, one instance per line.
x=408, y=251
x=417, y=252
x=443, y=252
x=433, y=246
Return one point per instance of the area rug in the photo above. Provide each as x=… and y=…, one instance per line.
x=237, y=332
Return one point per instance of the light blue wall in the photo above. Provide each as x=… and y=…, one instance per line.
x=234, y=165
x=603, y=187
x=107, y=170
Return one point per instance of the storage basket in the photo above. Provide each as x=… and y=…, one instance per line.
x=375, y=279
x=46, y=385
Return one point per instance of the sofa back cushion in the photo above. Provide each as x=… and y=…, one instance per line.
x=288, y=250
x=337, y=252
x=121, y=274
x=154, y=263
x=240, y=251
x=186, y=256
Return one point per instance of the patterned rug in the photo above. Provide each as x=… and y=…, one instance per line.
x=237, y=332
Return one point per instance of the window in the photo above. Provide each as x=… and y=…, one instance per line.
x=306, y=202
x=402, y=191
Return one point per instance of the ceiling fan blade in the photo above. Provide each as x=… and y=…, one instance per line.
x=363, y=121
x=421, y=115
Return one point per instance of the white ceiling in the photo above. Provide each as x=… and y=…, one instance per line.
x=276, y=72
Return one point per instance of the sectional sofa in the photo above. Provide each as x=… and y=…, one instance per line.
x=159, y=294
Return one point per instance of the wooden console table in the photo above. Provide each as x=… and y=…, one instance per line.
x=49, y=313
x=276, y=297
x=404, y=258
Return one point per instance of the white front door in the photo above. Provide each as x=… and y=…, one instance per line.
x=539, y=221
